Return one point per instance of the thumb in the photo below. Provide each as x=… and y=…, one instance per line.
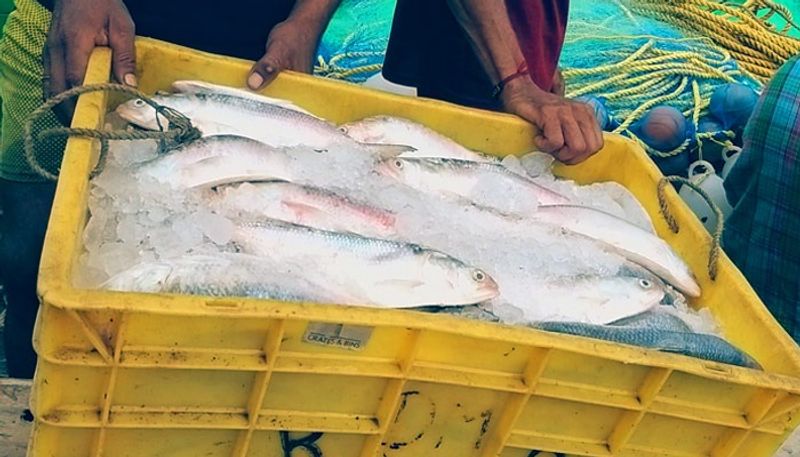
x=264, y=71
x=121, y=40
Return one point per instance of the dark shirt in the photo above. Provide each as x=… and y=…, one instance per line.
x=238, y=30
x=429, y=50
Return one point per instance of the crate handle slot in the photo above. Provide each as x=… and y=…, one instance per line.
x=225, y=304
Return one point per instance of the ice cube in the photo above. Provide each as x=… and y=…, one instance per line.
x=117, y=257
x=537, y=164
x=218, y=229
x=128, y=230
x=157, y=213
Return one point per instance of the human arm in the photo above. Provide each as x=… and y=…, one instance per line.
x=292, y=44
x=568, y=129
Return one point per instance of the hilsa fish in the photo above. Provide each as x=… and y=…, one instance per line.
x=380, y=272
x=186, y=86
x=218, y=159
x=272, y=124
x=627, y=239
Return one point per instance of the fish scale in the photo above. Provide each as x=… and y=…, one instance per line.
x=220, y=275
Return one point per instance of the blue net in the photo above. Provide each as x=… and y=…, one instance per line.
x=354, y=45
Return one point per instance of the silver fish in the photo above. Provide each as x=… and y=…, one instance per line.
x=275, y=125
x=601, y=299
x=464, y=178
x=397, y=130
x=303, y=205
x=378, y=272
x=627, y=239
x=202, y=87
x=216, y=160
x=659, y=331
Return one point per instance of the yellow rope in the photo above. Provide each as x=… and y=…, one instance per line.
x=755, y=43
x=331, y=69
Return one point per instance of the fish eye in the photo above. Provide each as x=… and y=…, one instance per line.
x=398, y=164
x=478, y=275
x=139, y=103
x=343, y=129
x=646, y=284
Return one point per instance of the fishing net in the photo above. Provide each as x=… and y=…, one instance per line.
x=633, y=55
x=354, y=45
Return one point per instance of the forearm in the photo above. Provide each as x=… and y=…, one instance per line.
x=313, y=14
x=491, y=35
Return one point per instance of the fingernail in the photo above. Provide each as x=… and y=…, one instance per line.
x=130, y=79
x=255, y=81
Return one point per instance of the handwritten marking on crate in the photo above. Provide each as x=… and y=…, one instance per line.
x=352, y=337
x=307, y=443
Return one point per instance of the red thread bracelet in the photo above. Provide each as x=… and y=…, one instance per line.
x=522, y=70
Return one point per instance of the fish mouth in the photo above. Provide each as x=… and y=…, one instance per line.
x=488, y=290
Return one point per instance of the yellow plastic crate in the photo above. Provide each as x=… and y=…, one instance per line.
x=128, y=374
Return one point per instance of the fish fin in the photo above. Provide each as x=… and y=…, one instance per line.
x=387, y=151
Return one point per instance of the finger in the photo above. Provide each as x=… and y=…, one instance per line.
x=54, y=81
x=264, y=71
x=566, y=155
x=77, y=49
x=551, y=138
x=121, y=40
x=592, y=132
x=573, y=137
x=592, y=135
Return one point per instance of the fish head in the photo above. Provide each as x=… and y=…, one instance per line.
x=363, y=131
x=142, y=114
x=640, y=293
x=411, y=172
x=467, y=284
x=648, y=281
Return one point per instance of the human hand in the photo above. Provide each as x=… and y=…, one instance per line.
x=568, y=129
x=76, y=28
x=291, y=46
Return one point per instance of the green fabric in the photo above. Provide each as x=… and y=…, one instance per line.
x=6, y=6
x=21, y=91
